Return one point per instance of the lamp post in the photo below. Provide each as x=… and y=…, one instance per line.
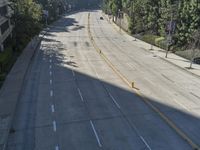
x=171, y=27
x=119, y=14
x=132, y=14
x=169, y=36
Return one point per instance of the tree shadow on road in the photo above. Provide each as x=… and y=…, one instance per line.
x=106, y=100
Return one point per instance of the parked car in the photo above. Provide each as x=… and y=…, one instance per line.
x=101, y=18
x=197, y=60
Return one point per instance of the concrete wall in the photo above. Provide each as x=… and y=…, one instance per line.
x=3, y=19
x=124, y=22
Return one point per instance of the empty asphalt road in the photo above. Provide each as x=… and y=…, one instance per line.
x=73, y=100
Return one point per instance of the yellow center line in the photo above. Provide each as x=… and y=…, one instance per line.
x=181, y=133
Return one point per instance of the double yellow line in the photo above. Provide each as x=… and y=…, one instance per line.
x=136, y=91
x=130, y=84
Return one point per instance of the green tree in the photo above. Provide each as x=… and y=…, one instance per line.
x=26, y=18
x=188, y=22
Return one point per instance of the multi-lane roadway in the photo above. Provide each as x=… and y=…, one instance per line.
x=74, y=100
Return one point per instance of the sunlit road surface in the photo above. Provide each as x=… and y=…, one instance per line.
x=73, y=100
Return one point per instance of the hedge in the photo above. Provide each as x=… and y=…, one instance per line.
x=155, y=40
x=5, y=56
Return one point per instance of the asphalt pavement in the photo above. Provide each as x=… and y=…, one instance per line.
x=72, y=99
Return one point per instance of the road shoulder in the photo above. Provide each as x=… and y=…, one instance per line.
x=173, y=59
x=11, y=89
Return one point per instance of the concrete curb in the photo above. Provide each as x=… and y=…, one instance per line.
x=184, y=69
x=11, y=90
x=125, y=32
x=171, y=124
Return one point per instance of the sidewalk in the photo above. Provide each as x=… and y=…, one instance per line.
x=172, y=58
x=11, y=90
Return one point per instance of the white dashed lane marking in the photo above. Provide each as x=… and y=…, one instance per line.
x=56, y=147
x=51, y=93
x=52, y=108
x=80, y=94
x=54, y=126
x=95, y=133
x=145, y=143
x=50, y=81
x=113, y=99
x=73, y=72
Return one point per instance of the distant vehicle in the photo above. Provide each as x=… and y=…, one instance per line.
x=101, y=18
x=197, y=60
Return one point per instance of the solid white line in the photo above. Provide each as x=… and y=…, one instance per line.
x=96, y=135
x=54, y=126
x=114, y=101
x=52, y=108
x=50, y=81
x=51, y=93
x=57, y=147
x=145, y=142
x=80, y=94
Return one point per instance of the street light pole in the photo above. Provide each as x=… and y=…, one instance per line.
x=169, y=40
x=120, y=23
x=46, y=20
x=172, y=26
x=132, y=14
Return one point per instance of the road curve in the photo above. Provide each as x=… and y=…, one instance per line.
x=73, y=100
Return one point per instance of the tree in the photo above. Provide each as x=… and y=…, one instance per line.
x=152, y=9
x=194, y=45
x=152, y=16
x=137, y=15
x=188, y=22
x=26, y=19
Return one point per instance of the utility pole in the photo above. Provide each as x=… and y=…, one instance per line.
x=46, y=15
x=171, y=27
x=120, y=21
x=132, y=14
x=169, y=37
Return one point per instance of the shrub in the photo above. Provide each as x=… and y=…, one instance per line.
x=2, y=77
x=161, y=42
x=149, y=38
x=5, y=56
x=155, y=40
